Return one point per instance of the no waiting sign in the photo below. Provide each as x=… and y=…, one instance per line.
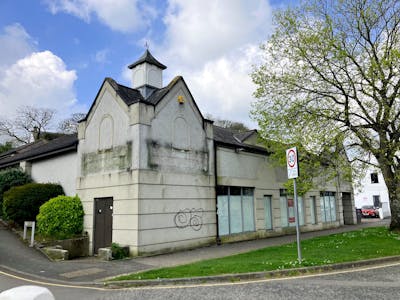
x=292, y=163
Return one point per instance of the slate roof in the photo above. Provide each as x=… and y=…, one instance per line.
x=131, y=96
x=148, y=58
x=242, y=136
x=127, y=94
x=229, y=138
x=39, y=149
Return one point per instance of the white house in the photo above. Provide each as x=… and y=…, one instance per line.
x=154, y=174
x=372, y=190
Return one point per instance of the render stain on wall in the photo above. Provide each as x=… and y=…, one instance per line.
x=117, y=158
x=165, y=157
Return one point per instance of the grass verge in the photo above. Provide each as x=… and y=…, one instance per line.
x=349, y=246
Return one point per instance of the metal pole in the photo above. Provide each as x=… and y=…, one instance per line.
x=296, y=207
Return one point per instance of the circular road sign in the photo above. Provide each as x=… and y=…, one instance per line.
x=291, y=158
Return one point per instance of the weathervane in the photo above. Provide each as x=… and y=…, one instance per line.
x=146, y=45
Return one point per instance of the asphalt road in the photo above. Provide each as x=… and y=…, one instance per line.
x=380, y=282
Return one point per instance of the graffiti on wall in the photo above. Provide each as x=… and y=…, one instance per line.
x=192, y=218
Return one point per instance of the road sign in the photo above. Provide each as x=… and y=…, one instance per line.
x=292, y=163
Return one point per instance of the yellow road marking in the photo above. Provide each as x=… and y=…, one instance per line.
x=360, y=269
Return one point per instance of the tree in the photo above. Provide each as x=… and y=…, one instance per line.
x=236, y=126
x=70, y=125
x=29, y=122
x=331, y=71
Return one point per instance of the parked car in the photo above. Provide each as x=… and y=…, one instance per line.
x=369, y=211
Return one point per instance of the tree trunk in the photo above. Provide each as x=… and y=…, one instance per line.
x=394, y=196
x=393, y=186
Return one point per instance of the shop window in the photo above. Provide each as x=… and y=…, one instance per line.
x=328, y=206
x=235, y=209
x=288, y=210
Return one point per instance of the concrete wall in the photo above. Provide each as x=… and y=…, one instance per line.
x=176, y=191
x=58, y=169
x=107, y=151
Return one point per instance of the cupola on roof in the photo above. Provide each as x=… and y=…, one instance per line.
x=147, y=58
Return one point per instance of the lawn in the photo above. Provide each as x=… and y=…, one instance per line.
x=350, y=246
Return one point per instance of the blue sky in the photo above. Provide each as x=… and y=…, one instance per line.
x=56, y=53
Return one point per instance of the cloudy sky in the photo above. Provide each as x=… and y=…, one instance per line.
x=56, y=53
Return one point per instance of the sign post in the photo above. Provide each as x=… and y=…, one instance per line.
x=293, y=172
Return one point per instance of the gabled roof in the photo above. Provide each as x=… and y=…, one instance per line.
x=229, y=138
x=147, y=58
x=131, y=96
x=39, y=149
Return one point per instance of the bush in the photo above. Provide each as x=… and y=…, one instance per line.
x=61, y=217
x=10, y=178
x=119, y=252
x=21, y=203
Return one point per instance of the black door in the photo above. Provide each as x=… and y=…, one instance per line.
x=103, y=208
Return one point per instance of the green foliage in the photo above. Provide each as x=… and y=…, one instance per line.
x=315, y=170
x=119, y=252
x=5, y=147
x=357, y=245
x=22, y=203
x=10, y=178
x=329, y=76
x=61, y=217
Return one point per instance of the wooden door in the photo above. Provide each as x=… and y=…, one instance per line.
x=103, y=209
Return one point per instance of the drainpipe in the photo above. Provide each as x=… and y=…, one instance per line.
x=218, y=239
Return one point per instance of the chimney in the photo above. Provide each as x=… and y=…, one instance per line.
x=147, y=74
x=36, y=133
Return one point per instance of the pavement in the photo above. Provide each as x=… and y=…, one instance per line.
x=16, y=257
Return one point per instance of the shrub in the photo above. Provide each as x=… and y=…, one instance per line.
x=61, y=217
x=119, y=252
x=10, y=178
x=21, y=203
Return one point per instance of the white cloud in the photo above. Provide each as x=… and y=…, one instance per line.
x=41, y=80
x=214, y=45
x=30, y=77
x=121, y=15
x=199, y=31
x=15, y=43
x=223, y=87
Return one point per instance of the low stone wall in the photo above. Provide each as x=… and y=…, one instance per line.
x=77, y=247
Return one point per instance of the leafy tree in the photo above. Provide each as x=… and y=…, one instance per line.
x=29, y=122
x=331, y=71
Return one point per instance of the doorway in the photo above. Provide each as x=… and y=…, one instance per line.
x=348, y=209
x=103, y=212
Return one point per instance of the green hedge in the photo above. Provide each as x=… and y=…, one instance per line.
x=10, y=178
x=61, y=217
x=22, y=203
